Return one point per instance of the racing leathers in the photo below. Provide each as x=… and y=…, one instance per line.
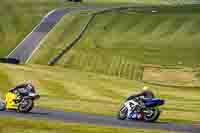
x=15, y=94
x=132, y=103
x=23, y=89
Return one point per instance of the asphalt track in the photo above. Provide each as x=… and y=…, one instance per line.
x=99, y=120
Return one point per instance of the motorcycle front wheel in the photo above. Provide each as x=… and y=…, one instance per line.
x=2, y=106
x=25, y=106
x=122, y=114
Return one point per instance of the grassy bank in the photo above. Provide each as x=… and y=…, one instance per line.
x=117, y=43
x=154, y=2
x=9, y=125
x=72, y=90
x=144, y=37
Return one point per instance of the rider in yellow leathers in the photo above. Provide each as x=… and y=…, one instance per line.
x=15, y=94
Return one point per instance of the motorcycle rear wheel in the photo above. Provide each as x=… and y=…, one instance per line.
x=153, y=116
x=25, y=106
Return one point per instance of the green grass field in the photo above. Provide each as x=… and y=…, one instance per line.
x=9, y=125
x=73, y=90
x=144, y=38
x=119, y=42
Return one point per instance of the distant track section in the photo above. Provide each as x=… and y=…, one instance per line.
x=26, y=48
x=24, y=51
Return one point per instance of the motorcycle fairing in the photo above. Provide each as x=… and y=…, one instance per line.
x=153, y=102
x=10, y=103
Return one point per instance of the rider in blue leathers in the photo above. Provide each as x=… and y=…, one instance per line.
x=132, y=103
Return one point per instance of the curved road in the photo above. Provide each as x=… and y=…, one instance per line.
x=100, y=120
x=31, y=43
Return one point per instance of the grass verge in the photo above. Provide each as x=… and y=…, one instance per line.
x=9, y=125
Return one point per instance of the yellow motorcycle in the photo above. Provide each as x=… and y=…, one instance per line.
x=21, y=103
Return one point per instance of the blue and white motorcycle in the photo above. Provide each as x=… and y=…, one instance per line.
x=145, y=109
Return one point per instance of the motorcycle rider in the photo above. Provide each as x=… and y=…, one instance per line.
x=15, y=94
x=23, y=89
x=132, y=103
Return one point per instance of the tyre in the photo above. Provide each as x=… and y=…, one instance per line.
x=2, y=106
x=25, y=106
x=151, y=114
x=122, y=114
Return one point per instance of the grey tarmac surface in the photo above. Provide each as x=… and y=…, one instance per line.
x=99, y=120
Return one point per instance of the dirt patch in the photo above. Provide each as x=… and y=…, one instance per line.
x=180, y=77
x=197, y=125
